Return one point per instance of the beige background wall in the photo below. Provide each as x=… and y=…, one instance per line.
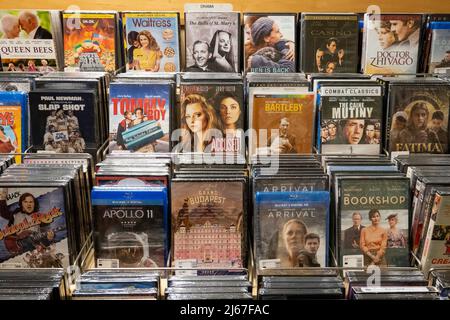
x=420, y=6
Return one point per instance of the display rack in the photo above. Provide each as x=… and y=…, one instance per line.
x=85, y=262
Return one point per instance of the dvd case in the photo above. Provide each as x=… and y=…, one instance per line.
x=270, y=43
x=351, y=117
x=130, y=227
x=329, y=43
x=152, y=41
x=391, y=43
x=140, y=116
x=212, y=41
x=208, y=222
x=373, y=221
x=34, y=227
x=30, y=40
x=291, y=229
x=90, y=41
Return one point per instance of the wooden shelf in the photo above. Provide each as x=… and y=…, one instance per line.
x=416, y=6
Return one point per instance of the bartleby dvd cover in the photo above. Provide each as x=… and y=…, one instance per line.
x=282, y=123
x=270, y=43
x=329, y=43
x=350, y=118
x=152, y=41
x=212, y=41
x=391, y=43
x=208, y=223
x=130, y=227
x=419, y=118
x=139, y=117
x=27, y=41
x=211, y=118
x=291, y=229
x=33, y=230
x=63, y=122
x=89, y=41
x=373, y=222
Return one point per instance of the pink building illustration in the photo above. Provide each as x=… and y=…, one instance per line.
x=211, y=244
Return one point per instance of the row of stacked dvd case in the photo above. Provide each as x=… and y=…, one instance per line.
x=224, y=113
x=313, y=218
x=224, y=42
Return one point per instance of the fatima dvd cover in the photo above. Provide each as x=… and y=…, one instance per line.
x=418, y=117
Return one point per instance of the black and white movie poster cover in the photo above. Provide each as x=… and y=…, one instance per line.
x=212, y=41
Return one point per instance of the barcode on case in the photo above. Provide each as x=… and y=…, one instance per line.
x=186, y=263
x=353, y=261
x=108, y=263
x=269, y=263
x=11, y=265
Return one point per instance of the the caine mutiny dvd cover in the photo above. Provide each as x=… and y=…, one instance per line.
x=350, y=118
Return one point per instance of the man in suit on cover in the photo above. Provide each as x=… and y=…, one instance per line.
x=284, y=142
x=29, y=22
x=353, y=234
